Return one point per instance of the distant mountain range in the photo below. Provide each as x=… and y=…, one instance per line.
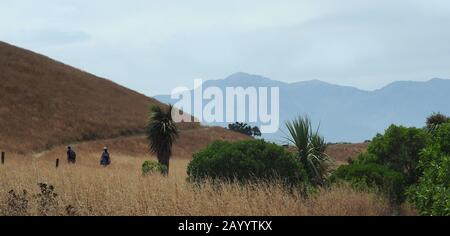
x=347, y=113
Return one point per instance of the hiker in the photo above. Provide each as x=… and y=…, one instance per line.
x=71, y=155
x=105, y=160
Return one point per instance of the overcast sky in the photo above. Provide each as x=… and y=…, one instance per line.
x=154, y=46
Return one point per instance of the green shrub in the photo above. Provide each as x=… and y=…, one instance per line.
x=246, y=161
x=399, y=148
x=374, y=176
x=431, y=195
x=411, y=159
x=442, y=136
x=435, y=120
x=150, y=167
x=366, y=158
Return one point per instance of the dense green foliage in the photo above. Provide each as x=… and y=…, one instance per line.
x=373, y=176
x=399, y=148
x=407, y=162
x=151, y=167
x=435, y=120
x=442, y=137
x=310, y=147
x=246, y=161
x=431, y=195
x=161, y=132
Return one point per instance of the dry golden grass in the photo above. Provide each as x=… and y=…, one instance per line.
x=188, y=142
x=121, y=190
x=45, y=103
x=342, y=152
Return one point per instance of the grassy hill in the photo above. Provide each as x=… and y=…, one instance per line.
x=45, y=103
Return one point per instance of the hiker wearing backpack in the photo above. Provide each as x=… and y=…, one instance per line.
x=71, y=155
x=105, y=160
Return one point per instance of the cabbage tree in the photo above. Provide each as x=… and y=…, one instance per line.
x=310, y=147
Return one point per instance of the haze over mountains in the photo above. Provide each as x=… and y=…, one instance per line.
x=347, y=113
x=44, y=103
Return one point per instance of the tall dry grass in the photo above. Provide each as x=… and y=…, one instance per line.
x=86, y=189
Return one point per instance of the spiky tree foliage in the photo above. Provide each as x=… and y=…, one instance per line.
x=310, y=148
x=161, y=132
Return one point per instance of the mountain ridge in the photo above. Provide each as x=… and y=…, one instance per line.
x=348, y=113
x=257, y=78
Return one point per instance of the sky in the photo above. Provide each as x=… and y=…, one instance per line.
x=157, y=45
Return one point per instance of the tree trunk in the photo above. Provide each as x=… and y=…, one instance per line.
x=165, y=161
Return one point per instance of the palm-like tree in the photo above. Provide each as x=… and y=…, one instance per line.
x=161, y=132
x=310, y=148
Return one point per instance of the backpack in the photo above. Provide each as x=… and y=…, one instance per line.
x=72, y=155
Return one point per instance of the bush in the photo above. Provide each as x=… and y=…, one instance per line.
x=16, y=204
x=399, y=148
x=373, y=176
x=420, y=156
x=244, y=128
x=431, y=196
x=246, y=161
x=151, y=167
x=47, y=199
x=436, y=120
x=442, y=137
x=366, y=158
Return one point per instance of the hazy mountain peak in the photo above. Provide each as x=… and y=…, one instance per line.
x=313, y=82
x=410, y=83
x=437, y=80
x=242, y=76
x=245, y=80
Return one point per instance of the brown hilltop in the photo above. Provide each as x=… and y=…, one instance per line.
x=45, y=103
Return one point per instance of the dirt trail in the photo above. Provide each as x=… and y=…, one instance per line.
x=188, y=142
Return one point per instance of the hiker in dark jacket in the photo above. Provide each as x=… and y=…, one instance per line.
x=105, y=160
x=71, y=155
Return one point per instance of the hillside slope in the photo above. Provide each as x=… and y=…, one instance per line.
x=44, y=103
